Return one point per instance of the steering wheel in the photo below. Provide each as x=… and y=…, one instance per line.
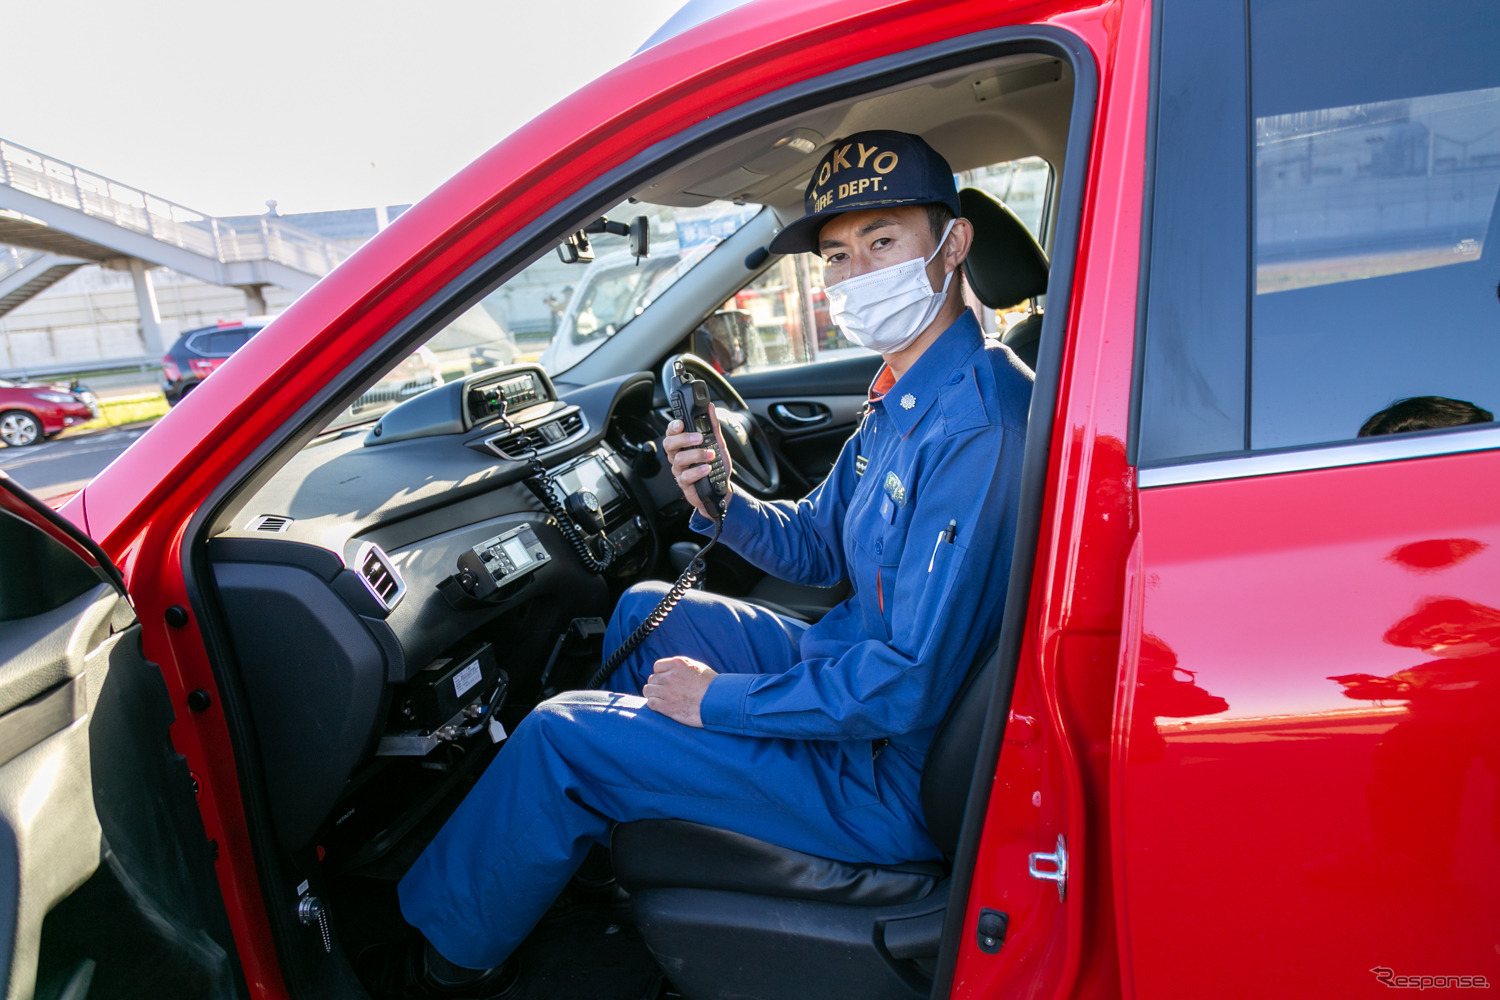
x=752, y=459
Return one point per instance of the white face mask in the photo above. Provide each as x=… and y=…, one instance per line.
x=887, y=309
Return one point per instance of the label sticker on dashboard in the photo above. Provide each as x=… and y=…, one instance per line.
x=466, y=679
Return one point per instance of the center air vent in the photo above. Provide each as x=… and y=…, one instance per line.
x=538, y=437
x=270, y=522
x=375, y=569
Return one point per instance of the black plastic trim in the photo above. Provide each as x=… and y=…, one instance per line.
x=1148, y=216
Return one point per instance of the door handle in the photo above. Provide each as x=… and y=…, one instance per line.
x=783, y=414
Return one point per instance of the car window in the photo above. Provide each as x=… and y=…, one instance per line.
x=781, y=318
x=40, y=574
x=557, y=313
x=1355, y=264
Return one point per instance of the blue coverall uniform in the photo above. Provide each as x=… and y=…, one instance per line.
x=788, y=752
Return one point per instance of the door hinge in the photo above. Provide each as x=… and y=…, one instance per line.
x=1056, y=869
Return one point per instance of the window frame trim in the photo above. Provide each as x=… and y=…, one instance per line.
x=1305, y=458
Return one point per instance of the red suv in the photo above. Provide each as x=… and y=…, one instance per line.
x=1240, y=734
x=34, y=411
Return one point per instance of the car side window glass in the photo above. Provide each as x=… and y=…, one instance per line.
x=37, y=572
x=1325, y=243
x=781, y=318
x=1377, y=234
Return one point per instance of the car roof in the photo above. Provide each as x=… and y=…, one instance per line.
x=689, y=15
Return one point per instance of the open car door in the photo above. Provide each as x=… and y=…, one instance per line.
x=107, y=883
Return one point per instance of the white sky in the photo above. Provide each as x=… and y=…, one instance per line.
x=219, y=106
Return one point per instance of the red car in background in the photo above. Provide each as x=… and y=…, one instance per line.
x=1240, y=736
x=34, y=411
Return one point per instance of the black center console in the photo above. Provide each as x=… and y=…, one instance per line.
x=600, y=472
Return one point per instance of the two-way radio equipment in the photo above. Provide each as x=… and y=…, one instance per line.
x=688, y=397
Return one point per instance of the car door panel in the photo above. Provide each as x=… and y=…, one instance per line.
x=106, y=878
x=46, y=802
x=1314, y=724
x=836, y=390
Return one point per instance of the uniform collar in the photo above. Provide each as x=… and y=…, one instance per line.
x=920, y=384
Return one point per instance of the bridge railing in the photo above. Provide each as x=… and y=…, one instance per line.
x=131, y=208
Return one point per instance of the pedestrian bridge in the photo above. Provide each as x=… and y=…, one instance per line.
x=56, y=217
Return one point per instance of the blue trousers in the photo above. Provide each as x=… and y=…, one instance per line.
x=587, y=759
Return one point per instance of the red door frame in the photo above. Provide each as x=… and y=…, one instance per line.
x=141, y=507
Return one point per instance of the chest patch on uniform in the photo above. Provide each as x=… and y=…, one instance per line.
x=860, y=462
x=894, y=489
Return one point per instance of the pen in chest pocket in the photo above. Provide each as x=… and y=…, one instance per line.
x=948, y=534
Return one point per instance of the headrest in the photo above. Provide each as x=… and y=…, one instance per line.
x=1005, y=265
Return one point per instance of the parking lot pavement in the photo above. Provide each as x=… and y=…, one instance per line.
x=66, y=464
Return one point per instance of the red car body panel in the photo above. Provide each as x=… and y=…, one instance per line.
x=1189, y=828
x=1312, y=741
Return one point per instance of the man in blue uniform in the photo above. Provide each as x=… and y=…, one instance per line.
x=807, y=736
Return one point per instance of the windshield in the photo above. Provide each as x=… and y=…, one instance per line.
x=556, y=313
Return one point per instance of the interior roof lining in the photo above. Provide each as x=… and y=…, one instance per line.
x=1030, y=120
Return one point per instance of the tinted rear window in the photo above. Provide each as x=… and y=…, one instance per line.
x=1325, y=236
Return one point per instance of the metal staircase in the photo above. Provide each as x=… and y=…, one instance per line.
x=67, y=217
x=24, y=273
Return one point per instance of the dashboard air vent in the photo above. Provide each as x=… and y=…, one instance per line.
x=538, y=437
x=270, y=522
x=375, y=569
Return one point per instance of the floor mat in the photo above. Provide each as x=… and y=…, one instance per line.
x=581, y=950
x=588, y=953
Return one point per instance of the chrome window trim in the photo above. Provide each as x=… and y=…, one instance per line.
x=1367, y=451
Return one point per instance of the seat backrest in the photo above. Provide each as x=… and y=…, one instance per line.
x=950, y=759
x=1006, y=266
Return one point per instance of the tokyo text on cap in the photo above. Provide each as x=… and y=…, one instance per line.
x=876, y=169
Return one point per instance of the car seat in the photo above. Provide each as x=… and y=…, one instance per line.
x=727, y=915
x=1005, y=267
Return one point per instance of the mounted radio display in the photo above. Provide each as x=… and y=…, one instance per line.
x=591, y=475
x=495, y=396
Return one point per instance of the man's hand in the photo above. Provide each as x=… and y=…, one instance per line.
x=688, y=458
x=676, y=689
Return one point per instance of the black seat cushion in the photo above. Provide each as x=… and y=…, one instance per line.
x=1025, y=339
x=948, y=771
x=797, y=600
x=676, y=854
x=1006, y=266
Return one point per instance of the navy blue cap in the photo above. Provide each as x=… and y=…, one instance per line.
x=875, y=169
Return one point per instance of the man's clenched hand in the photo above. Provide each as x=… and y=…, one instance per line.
x=676, y=688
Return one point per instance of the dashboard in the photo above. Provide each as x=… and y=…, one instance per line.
x=391, y=586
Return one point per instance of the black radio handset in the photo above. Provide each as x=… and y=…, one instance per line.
x=691, y=405
x=688, y=397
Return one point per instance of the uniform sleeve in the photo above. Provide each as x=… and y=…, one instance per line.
x=802, y=541
x=940, y=617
